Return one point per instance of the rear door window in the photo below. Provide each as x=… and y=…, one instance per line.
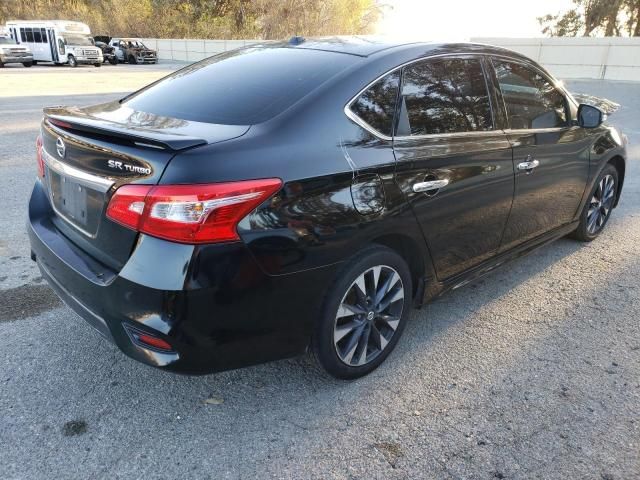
x=241, y=87
x=446, y=95
x=376, y=105
x=530, y=98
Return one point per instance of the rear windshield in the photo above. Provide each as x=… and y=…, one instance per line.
x=241, y=87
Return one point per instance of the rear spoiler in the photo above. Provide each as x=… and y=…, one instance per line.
x=607, y=106
x=72, y=119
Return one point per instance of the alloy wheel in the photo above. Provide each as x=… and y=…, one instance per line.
x=368, y=315
x=601, y=204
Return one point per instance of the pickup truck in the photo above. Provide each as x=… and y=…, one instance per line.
x=10, y=52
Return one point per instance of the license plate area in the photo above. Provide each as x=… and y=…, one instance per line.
x=76, y=196
x=76, y=203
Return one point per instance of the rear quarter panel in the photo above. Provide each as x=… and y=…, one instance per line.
x=317, y=152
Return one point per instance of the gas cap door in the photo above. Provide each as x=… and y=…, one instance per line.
x=367, y=194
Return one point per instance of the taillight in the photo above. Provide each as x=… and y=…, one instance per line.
x=206, y=213
x=39, y=156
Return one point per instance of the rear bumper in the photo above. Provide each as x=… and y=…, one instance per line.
x=213, y=304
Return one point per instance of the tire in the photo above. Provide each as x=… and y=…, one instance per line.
x=72, y=61
x=1, y=65
x=352, y=342
x=113, y=61
x=596, y=212
x=97, y=65
x=132, y=60
x=27, y=64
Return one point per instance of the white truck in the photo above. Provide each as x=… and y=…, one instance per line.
x=10, y=52
x=57, y=41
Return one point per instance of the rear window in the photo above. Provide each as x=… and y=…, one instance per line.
x=241, y=87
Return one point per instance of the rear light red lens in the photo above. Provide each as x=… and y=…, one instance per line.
x=143, y=339
x=127, y=205
x=60, y=123
x=39, y=156
x=206, y=213
x=154, y=342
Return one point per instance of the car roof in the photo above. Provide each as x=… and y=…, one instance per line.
x=360, y=45
x=365, y=46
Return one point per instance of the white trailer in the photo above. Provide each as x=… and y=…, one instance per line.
x=57, y=41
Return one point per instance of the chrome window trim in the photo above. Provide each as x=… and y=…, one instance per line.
x=474, y=133
x=555, y=83
x=88, y=180
x=351, y=115
x=537, y=130
x=529, y=63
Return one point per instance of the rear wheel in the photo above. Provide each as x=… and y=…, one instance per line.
x=97, y=64
x=72, y=61
x=364, y=314
x=27, y=64
x=597, y=210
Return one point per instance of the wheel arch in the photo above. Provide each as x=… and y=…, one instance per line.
x=620, y=165
x=416, y=258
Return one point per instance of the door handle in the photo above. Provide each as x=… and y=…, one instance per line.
x=528, y=165
x=430, y=185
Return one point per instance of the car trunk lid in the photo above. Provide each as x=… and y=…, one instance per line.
x=90, y=152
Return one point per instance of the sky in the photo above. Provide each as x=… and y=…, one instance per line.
x=462, y=19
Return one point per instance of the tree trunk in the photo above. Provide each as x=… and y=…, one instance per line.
x=612, y=18
x=636, y=15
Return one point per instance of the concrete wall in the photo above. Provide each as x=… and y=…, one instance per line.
x=612, y=58
x=192, y=50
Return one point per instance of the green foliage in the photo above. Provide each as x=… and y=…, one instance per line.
x=595, y=18
x=260, y=19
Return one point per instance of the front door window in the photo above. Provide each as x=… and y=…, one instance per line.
x=531, y=100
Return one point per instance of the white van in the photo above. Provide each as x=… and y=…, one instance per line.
x=57, y=41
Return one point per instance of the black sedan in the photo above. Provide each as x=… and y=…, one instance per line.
x=306, y=194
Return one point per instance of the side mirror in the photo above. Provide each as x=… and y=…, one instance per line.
x=589, y=116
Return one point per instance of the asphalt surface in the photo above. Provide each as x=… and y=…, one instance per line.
x=531, y=372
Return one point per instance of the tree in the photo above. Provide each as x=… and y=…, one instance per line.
x=259, y=19
x=595, y=17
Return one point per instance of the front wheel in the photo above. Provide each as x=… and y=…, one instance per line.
x=72, y=61
x=113, y=61
x=27, y=64
x=97, y=64
x=597, y=210
x=133, y=60
x=364, y=313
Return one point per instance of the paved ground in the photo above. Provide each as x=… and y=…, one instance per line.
x=532, y=372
